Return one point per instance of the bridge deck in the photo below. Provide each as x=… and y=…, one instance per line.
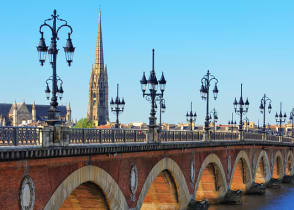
x=8, y=153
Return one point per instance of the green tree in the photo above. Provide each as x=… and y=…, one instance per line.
x=84, y=123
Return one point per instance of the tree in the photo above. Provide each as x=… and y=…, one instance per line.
x=84, y=123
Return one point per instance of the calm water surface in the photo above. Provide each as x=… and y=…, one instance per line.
x=274, y=199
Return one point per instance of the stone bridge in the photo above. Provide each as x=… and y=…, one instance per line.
x=118, y=169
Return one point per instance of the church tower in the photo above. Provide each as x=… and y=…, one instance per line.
x=34, y=114
x=98, y=85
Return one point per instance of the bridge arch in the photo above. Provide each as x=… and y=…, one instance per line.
x=241, y=176
x=85, y=174
x=167, y=164
x=278, y=167
x=289, y=164
x=262, y=168
x=211, y=170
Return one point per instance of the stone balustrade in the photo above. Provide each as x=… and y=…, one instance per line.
x=64, y=136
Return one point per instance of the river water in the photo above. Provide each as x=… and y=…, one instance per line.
x=274, y=199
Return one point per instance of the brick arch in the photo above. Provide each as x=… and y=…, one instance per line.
x=281, y=172
x=173, y=168
x=116, y=199
x=213, y=159
x=291, y=171
x=242, y=155
x=263, y=155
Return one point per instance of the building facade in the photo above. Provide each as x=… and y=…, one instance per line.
x=98, y=85
x=19, y=114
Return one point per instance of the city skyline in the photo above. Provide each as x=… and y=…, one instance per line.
x=256, y=39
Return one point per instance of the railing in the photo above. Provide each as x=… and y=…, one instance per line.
x=166, y=136
x=14, y=136
x=253, y=136
x=272, y=138
x=92, y=135
x=286, y=139
x=22, y=136
x=224, y=136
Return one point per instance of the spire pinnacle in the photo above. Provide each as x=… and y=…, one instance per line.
x=68, y=106
x=99, y=61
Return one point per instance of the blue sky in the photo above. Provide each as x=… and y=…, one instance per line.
x=239, y=41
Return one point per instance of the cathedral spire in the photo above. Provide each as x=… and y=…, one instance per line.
x=98, y=85
x=99, y=60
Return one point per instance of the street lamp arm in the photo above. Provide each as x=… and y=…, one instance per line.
x=213, y=78
x=57, y=17
x=238, y=112
x=157, y=96
x=61, y=82
x=45, y=25
x=266, y=99
x=205, y=82
x=64, y=25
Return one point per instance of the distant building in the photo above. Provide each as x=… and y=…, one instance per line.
x=18, y=114
x=98, y=85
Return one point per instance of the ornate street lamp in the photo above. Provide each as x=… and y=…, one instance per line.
x=292, y=122
x=262, y=108
x=214, y=117
x=205, y=85
x=117, y=106
x=232, y=123
x=153, y=95
x=52, y=52
x=280, y=118
x=191, y=118
x=241, y=109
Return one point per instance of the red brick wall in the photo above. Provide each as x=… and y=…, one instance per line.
x=47, y=174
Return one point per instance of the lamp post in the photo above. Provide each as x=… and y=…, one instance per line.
x=232, y=122
x=205, y=85
x=52, y=52
x=292, y=122
x=214, y=118
x=247, y=123
x=241, y=108
x=162, y=109
x=191, y=118
x=117, y=106
x=262, y=108
x=152, y=95
x=280, y=118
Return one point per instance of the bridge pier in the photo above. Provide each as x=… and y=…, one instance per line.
x=256, y=189
x=241, y=135
x=153, y=135
x=263, y=136
x=274, y=183
x=233, y=197
x=288, y=179
x=54, y=136
x=198, y=205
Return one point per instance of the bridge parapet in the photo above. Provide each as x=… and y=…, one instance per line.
x=253, y=136
x=92, y=135
x=14, y=136
x=64, y=136
x=166, y=136
x=224, y=136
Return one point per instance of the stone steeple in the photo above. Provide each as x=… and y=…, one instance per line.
x=68, y=113
x=34, y=114
x=98, y=85
x=15, y=115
